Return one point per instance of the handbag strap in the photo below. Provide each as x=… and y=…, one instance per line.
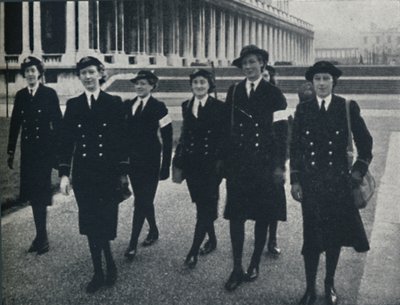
x=349, y=137
x=233, y=107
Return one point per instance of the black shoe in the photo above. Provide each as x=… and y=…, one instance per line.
x=235, y=279
x=251, y=274
x=130, y=253
x=308, y=298
x=111, y=276
x=330, y=295
x=273, y=249
x=42, y=247
x=208, y=248
x=95, y=284
x=191, y=261
x=150, y=239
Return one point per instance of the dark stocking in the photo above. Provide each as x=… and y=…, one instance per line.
x=260, y=237
x=236, y=228
x=39, y=216
x=311, y=261
x=95, y=251
x=273, y=225
x=332, y=258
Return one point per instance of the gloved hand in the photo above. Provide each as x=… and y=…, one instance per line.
x=164, y=173
x=10, y=161
x=297, y=192
x=279, y=176
x=65, y=185
x=124, y=187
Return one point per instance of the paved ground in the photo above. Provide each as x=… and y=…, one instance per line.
x=156, y=276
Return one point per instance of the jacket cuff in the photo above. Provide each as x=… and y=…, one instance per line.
x=294, y=177
x=64, y=170
x=361, y=166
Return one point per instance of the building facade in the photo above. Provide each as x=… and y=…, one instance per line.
x=146, y=33
x=340, y=56
x=381, y=46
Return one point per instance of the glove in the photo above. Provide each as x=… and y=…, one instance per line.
x=356, y=178
x=164, y=173
x=297, y=192
x=124, y=190
x=279, y=176
x=65, y=185
x=10, y=161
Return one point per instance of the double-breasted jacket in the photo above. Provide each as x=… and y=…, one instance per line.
x=318, y=162
x=251, y=156
x=94, y=137
x=39, y=116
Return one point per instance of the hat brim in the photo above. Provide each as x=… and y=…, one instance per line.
x=335, y=72
x=238, y=61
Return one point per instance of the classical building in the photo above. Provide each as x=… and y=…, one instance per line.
x=381, y=46
x=146, y=33
x=341, y=56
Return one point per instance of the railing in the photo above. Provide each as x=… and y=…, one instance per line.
x=11, y=59
x=52, y=58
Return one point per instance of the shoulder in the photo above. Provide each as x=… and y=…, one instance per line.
x=157, y=104
x=72, y=102
x=47, y=90
x=305, y=106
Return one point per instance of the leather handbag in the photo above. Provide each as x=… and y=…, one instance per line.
x=363, y=192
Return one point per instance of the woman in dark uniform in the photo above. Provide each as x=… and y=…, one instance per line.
x=280, y=132
x=37, y=111
x=252, y=165
x=145, y=117
x=93, y=135
x=199, y=155
x=321, y=179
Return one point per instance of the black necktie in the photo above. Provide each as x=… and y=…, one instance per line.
x=92, y=101
x=140, y=108
x=31, y=92
x=251, y=90
x=323, y=109
x=199, y=109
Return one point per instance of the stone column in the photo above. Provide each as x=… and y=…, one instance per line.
x=239, y=36
x=69, y=57
x=37, y=30
x=187, y=33
x=173, y=36
x=211, y=56
x=2, y=41
x=231, y=38
x=265, y=37
x=83, y=31
x=246, y=30
x=260, y=35
x=253, y=32
x=222, y=61
x=271, y=47
x=25, y=31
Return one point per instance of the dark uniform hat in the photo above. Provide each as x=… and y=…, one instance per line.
x=247, y=50
x=322, y=67
x=89, y=61
x=206, y=74
x=145, y=74
x=32, y=61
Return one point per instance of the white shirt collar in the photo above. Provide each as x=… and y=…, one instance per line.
x=34, y=89
x=89, y=94
x=327, y=100
x=138, y=101
x=202, y=101
x=248, y=84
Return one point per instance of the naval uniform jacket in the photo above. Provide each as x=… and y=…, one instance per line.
x=200, y=147
x=39, y=117
x=144, y=147
x=251, y=155
x=94, y=138
x=318, y=161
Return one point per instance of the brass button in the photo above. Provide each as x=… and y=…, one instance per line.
x=330, y=153
x=100, y=135
x=83, y=155
x=257, y=134
x=83, y=136
x=311, y=143
x=330, y=142
x=100, y=145
x=100, y=154
x=307, y=132
x=330, y=163
x=257, y=144
x=337, y=132
x=256, y=124
x=104, y=124
x=313, y=163
x=83, y=145
x=312, y=153
x=79, y=125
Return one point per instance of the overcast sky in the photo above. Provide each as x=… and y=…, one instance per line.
x=345, y=18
